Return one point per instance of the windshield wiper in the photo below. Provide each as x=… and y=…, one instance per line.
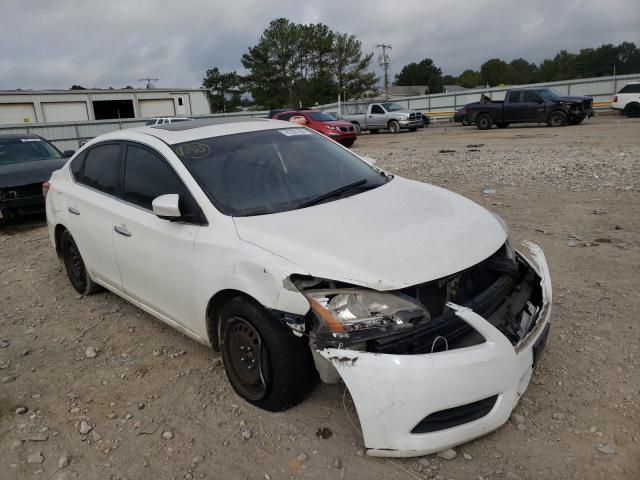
x=332, y=193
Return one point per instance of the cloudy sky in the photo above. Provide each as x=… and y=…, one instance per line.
x=56, y=43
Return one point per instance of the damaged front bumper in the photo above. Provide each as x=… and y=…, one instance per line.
x=411, y=405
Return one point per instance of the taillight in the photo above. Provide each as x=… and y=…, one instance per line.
x=615, y=99
x=45, y=189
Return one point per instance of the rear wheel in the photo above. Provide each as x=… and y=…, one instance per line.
x=76, y=270
x=502, y=124
x=632, y=110
x=557, y=119
x=394, y=127
x=484, y=121
x=265, y=362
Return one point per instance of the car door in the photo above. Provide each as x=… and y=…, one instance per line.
x=532, y=107
x=376, y=117
x=155, y=255
x=90, y=203
x=511, y=107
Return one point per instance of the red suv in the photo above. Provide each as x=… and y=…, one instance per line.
x=339, y=130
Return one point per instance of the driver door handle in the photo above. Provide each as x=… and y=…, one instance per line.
x=122, y=231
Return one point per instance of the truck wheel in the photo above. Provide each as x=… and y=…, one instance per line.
x=394, y=127
x=557, y=119
x=502, y=124
x=357, y=128
x=265, y=362
x=632, y=110
x=484, y=121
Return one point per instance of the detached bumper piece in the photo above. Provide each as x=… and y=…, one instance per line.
x=421, y=403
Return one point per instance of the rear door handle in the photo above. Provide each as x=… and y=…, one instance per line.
x=74, y=210
x=122, y=231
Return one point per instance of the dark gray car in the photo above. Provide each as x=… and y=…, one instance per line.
x=26, y=162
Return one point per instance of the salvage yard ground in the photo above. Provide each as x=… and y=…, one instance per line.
x=158, y=406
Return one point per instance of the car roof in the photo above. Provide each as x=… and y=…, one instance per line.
x=180, y=132
x=17, y=136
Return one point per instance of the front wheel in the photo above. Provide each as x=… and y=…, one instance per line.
x=557, y=119
x=74, y=264
x=484, y=121
x=394, y=127
x=349, y=142
x=357, y=128
x=265, y=362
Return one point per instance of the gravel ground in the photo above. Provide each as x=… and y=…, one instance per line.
x=94, y=388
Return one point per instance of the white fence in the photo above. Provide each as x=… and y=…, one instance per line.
x=70, y=135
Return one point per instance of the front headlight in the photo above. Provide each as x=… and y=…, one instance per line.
x=331, y=127
x=352, y=314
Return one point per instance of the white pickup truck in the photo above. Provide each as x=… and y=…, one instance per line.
x=387, y=115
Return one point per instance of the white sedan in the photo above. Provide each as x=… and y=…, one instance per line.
x=292, y=255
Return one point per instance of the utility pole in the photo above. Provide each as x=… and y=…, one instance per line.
x=384, y=61
x=149, y=81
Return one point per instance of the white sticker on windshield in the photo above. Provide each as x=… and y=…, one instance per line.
x=292, y=132
x=30, y=140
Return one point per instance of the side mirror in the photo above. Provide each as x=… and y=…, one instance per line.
x=166, y=206
x=68, y=153
x=299, y=119
x=369, y=160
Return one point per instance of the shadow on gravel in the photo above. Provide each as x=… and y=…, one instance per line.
x=13, y=226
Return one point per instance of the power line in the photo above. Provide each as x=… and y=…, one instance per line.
x=149, y=81
x=384, y=61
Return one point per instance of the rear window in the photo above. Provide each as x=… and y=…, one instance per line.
x=18, y=150
x=631, y=88
x=321, y=117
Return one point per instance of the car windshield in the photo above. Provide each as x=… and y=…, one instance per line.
x=320, y=117
x=18, y=150
x=392, y=107
x=273, y=171
x=549, y=94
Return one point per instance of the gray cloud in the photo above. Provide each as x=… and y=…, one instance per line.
x=54, y=44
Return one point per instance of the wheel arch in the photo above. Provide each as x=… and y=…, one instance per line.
x=57, y=238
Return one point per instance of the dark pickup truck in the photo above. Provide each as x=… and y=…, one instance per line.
x=530, y=105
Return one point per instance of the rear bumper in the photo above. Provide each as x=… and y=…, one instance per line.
x=394, y=394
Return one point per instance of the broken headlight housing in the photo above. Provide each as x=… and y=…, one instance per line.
x=347, y=315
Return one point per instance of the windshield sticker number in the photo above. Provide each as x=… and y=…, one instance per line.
x=26, y=140
x=193, y=150
x=292, y=132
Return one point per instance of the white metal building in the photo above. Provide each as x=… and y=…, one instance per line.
x=53, y=106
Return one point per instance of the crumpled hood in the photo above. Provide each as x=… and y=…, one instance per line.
x=574, y=99
x=25, y=173
x=400, y=234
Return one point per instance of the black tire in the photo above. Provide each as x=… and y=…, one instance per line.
x=465, y=121
x=502, y=124
x=394, y=127
x=265, y=362
x=373, y=130
x=557, y=119
x=484, y=121
x=356, y=126
x=348, y=143
x=413, y=129
x=632, y=110
x=74, y=264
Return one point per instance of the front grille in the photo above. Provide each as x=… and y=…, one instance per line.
x=415, y=116
x=453, y=417
x=23, y=191
x=346, y=129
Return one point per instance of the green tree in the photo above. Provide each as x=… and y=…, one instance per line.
x=449, y=80
x=351, y=69
x=560, y=67
x=522, y=71
x=222, y=87
x=495, y=72
x=469, y=79
x=422, y=73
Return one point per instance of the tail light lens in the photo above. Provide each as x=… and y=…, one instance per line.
x=45, y=189
x=615, y=99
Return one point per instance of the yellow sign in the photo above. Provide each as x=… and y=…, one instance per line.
x=25, y=119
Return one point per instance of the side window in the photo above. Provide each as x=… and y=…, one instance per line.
x=102, y=168
x=514, y=97
x=631, y=88
x=530, y=97
x=285, y=116
x=377, y=109
x=147, y=176
x=76, y=166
